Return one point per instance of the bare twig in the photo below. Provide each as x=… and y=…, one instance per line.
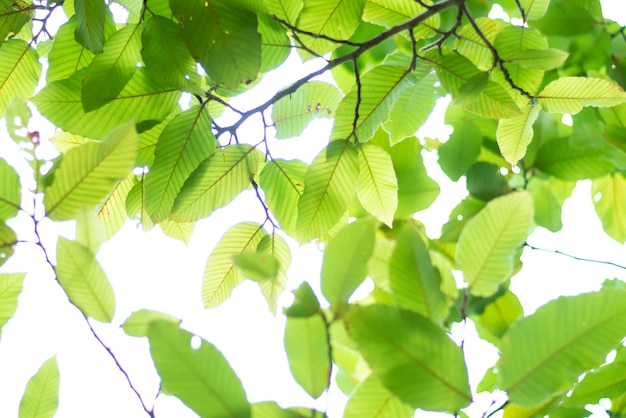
x=590, y=260
x=355, y=121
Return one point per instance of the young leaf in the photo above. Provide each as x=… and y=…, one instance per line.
x=377, y=187
x=490, y=239
x=313, y=100
x=532, y=372
x=10, y=288
x=257, y=266
x=9, y=191
x=514, y=134
x=41, y=397
x=181, y=231
x=201, y=378
x=372, y=400
x=282, y=182
x=497, y=317
x=413, y=358
x=306, y=345
x=90, y=30
x=89, y=231
x=570, y=94
x=84, y=281
x=185, y=142
x=217, y=181
x=19, y=72
x=345, y=262
x=138, y=323
x=220, y=275
x=329, y=184
x=609, y=200
x=415, y=283
x=275, y=246
x=88, y=173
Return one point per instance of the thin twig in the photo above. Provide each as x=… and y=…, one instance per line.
x=355, y=121
x=590, y=260
x=297, y=30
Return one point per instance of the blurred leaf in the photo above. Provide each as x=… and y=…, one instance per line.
x=10, y=191
x=41, y=397
x=10, y=288
x=377, y=187
x=19, y=72
x=305, y=303
x=372, y=400
x=139, y=322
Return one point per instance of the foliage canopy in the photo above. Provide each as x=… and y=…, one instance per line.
x=130, y=148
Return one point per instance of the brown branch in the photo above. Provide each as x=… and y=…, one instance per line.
x=355, y=121
x=299, y=31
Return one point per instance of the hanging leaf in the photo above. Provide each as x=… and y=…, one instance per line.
x=534, y=9
x=306, y=345
x=10, y=288
x=41, y=397
x=220, y=275
x=497, y=317
x=67, y=55
x=533, y=373
x=472, y=46
x=329, y=184
x=490, y=239
x=139, y=322
x=305, y=303
x=275, y=246
x=609, y=197
x=88, y=173
x=185, y=142
x=201, y=378
x=19, y=72
x=372, y=400
x=377, y=187
x=313, y=100
x=89, y=231
x=13, y=16
x=181, y=231
x=413, y=358
x=287, y=10
x=514, y=134
x=559, y=159
x=540, y=59
x=84, y=281
x=608, y=381
x=389, y=13
x=136, y=205
x=570, y=94
x=8, y=240
x=90, y=30
x=461, y=150
x=217, y=181
x=9, y=191
x=112, y=213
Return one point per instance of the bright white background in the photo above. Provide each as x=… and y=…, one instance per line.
x=149, y=270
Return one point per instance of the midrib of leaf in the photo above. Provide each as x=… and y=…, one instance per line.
x=200, y=377
x=88, y=283
x=12, y=72
x=563, y=347
x=416, y=361
x=166, y=45
x=293, y=185
x=2, y=199
x=119, y=56
x=330, y=15
x=370, y=172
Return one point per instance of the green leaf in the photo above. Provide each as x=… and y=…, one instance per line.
x=540, y=59
x=570, y=94
x=306, y=345
x=337, y=19
x=139, y=322
x=287, y=10
x=257, y=266
x=514, y=134
x=65, y=141
x=305, y=302
x=89, y=231
x=41, y=397
x=313, y=100
x=141, y=100
x=497, y=317
x=90, y=30
x=275, y=43
x=10, y=288
x=19, y=72
x=559, y=159
x=565, y=19
x=461, y=150
x=272, y=410
x=413, y=358
x=608, y=381
x=110, y=71
x=377, y=187
x=201, y=378
x=415, y=283
x=329, y=185
x=548, y=198
x=165, y=54
x=225, y=40
x=217, y=181
x=112, y=213
x=88, y=173
x=185, y=142
x=84, y=281
x=220, y=275
x=276, y=247
x=574, y=333
x=389, y=13
x=136, y=205
x=490, y=239
x=379, y=89
x=67, y=55
x=282, y=182
x=472, y=46
x=534, y=9
x=609, y=200
x=178, y=230
x=9, y=191
x=8, y=239
x=372, y=400
x=345, y=261
x=13, y=16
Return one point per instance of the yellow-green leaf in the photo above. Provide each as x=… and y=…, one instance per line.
x=514, y=134
x=41, y=397
x=13, y=16
x=372, y=400
x=90, y=30
x=377, y=187
x=138, y=323
x=89, y=231
x=570, y=94
x=67, y=55
x=9, y=191
x=112, y=212
x=275, y=246
x=609, y=200
x=19, y=72
x=10, y=288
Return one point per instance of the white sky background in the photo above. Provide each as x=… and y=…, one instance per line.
x=149, y=270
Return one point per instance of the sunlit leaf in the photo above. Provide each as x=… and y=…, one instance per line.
x=181, y=231
x=41, y=396
x=329, y=184
x=67, y=55
x=514, y=134
x=534, y=9
x=543, y=355
x=570, y=94
x=372, y=400
x=377, y=187
x=498, y=316
x=138, y=323
x=14, y=15
x=112, y=212
x=217, y=181
x=9, y=191
x=275, y=44
x=559, y=159
x=490, y=239
x=90, y=30
x=201, y=378
x=461, y=150
x=88, y=173
x=538, y=59
x=19, y=71
x=305, y=302
x=275, y=246
x=65, y=141
x=472, y=46
x=413, y=358
x=608, y=381
x=136, y=205
x=89, y=231
x=389, y=13
x=10, y=288
x=306, y=345
x=609, y=200
x=84, y=281
x=8, y=239
x=220, y=275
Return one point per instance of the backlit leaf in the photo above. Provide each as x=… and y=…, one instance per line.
x=609, y=200
x=112, y=212
x=514, y=134
x=181, y=231
x=89, y=231
x=608, y=381
x=275, y=246
x=90, y=29
x=472, y=46
x=41, y=396
x=389, y=13
x=534, y=9
x=13, y=16
x=8, y=239
x=10, y=288
x=9, y=191
x=19, y=71
x=490, y=239
x=540, y=59
x=559, y=159
x=84, y=281
x=67, y=55
x=372, y=400
x=461, y=150
x=377, y=187
x=570, y=94
x=497, y=317
x=201, y=378
x=138, y=323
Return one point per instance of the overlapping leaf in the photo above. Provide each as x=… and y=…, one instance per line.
x=287, y=10
x=90, y=30
x=217, y=181
x=274, y=245
x=608, y=381
x=88, y=173
x=41, y=396
x=201, y=378
x=8, y=239
x=10, y=288
x=609, y=200
x=574, y=334
x=138, y=323
x=377, y=187
x=472, y=46
x=490, y=239
x=534, y=9
x=514, y=134
x=14, y=14
x=84, y=281
x=19, y=71
x=559, y=159
x=9, y=191
x=112, y=212
x=372, y=400
x=389, y=13
x=570, y=94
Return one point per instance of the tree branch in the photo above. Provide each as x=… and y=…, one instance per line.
x=590, y=260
